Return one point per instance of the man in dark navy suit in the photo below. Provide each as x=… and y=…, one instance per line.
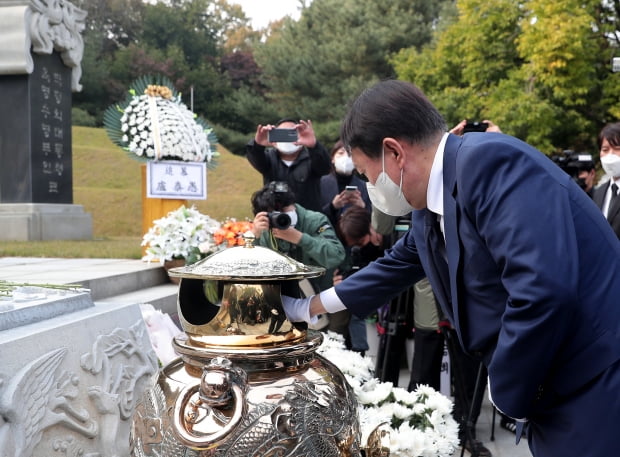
x=607, y=196
x=521, y=260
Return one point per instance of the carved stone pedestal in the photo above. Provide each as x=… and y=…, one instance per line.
x=69, y=383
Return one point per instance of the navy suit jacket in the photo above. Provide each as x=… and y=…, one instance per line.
x=533, y=279
x=598, y=195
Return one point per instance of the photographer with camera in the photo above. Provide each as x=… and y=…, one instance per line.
x=289, y=151
x=284, y=226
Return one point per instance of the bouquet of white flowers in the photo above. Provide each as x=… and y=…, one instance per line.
x=154, y=124
x=184, y=233
x=419, y=423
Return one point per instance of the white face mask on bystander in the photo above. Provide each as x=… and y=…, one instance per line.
x=344, y=165
x=611, y=165
x=288, y=148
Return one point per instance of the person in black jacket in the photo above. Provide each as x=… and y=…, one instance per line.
x=607, y=195
x=342, y=188
x=300, y=164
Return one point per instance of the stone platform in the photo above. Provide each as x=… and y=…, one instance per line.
x=74, y=363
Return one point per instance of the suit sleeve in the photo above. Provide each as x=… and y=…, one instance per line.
x=522, y=210
x=383, y=279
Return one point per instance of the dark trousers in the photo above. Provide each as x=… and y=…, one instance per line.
x=426, y=369
x=426, y=364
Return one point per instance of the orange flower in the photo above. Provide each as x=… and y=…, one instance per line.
x=231, y=232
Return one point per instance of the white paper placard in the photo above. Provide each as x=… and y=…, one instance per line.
x=176, y=180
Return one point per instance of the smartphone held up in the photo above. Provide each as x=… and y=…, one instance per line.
x=282, y=135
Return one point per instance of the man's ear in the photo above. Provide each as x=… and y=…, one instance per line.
x=394, y=148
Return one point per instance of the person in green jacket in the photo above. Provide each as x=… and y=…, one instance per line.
x=306, y=236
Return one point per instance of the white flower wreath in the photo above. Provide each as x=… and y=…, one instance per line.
x=154, y=124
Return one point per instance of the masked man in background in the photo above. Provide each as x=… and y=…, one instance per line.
x=299, y=163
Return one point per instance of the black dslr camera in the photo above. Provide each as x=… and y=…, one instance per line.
x=279, y=220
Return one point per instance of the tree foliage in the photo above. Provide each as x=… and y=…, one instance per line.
x=314, y=66
x=538, y=68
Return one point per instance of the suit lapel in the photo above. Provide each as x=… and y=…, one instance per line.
x=614, y=208
x=453, y=245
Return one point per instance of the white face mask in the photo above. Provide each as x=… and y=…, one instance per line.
x=288, y=148
x=386, y=195
x=344, y=165
x=611, y=165
x=293, y=216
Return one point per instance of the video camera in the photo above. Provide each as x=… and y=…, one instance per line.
x=573, y=163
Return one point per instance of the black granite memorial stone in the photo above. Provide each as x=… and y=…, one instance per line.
x=35, y=134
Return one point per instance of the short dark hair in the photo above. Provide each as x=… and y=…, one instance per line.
x=390, y=108
x=354, y=223
x=286, y=119
x=273, y=197
x=336, y=147
x=611, y=133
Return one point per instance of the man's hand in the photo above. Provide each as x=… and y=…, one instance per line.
x=337, y=277
x=291, y=234
x=260, y=223
x=346, y=197
x=458, y=128
x=262, y=135
x=298, y=309
x=493, y=127
x=305, y=134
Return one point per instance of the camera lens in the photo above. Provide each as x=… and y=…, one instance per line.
x=279, y=220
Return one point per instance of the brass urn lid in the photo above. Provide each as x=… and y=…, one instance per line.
x=232, y=299
x=247, y=263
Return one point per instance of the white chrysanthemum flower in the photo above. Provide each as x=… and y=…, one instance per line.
x=408, y=441
x=125, y=139
x=439, y=402
x=374, y=392
x=401, y=412
x=403, y=396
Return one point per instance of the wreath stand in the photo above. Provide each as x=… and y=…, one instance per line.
x=155, y=208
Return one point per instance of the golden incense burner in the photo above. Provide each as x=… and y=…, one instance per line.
x=248, y=382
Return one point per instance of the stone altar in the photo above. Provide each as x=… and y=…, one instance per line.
x=69, y=383
x=40, y=53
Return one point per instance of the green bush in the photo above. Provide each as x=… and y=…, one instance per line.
x=233, y=140
x=327, y=132
x=82, y=118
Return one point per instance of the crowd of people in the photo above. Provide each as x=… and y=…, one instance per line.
x=509, y=259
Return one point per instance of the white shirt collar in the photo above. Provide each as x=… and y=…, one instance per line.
x=434, y=192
